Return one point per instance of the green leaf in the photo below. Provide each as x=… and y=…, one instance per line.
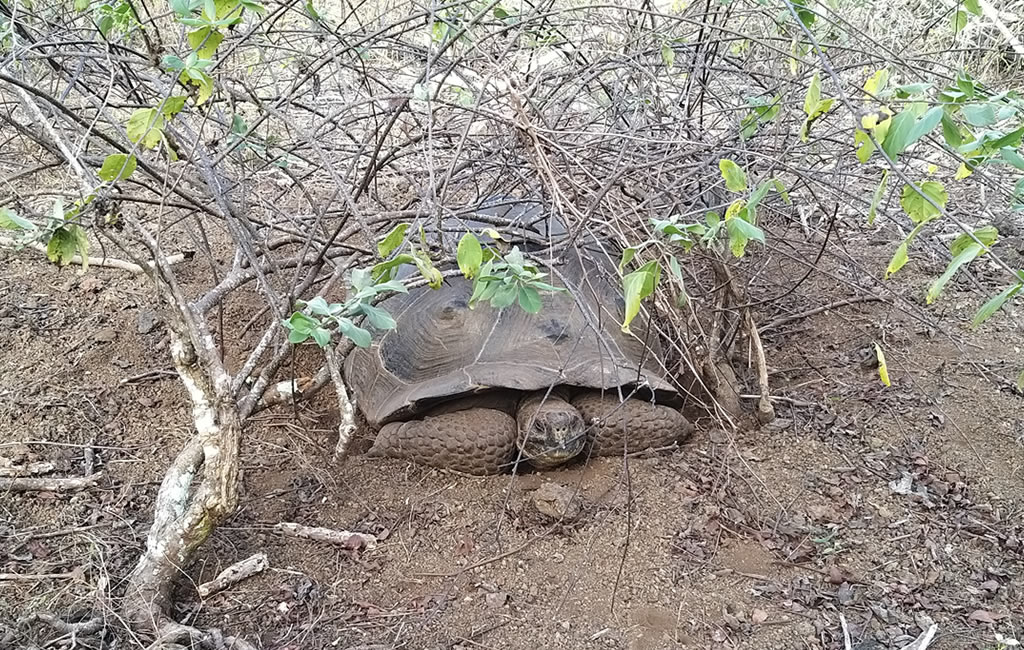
x=917, y=208
x=182, y=7
x=897, y=139
x=755, y=200
x=11, y=221
x=762, y=112
x=62, y=245
x=813, y=96
x=173, y=106
x=503, y=294
x=428, y=270
x=311, y=10
x=379, y=318
x=322, y=336
x=735, y=178
x=900, y=257
x=387, y=269
x=979, y=114
x=1012, y=156
x=907, y=90
x=863, y=145
x=202, y=81
x=973, y=6
x=392, y=240
x=966, y=255
x=363, y=278
x=636, y=286
x=628, y=254
x=146, y=126
x=172, y=62
x=529, y=300
x=996, y=303
x=395, y=286
x=204, y=41
x=814, y=106
x=81, y=5
x=81, y=244
x=300, y=322
x=117, y=167
x=876, y=199
x=470, y=255
x=668, y=55
x=319, y=306
x=951, y=132
x=354, y=333
x=987, y=236
x=806, y=16
x=295, y=336
x=958, y=21
x=1011, y=139
x=781, y=189
x=926, y=124
x=876, y=83
x=740, y=232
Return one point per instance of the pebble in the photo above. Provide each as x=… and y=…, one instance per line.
x=557, y=502
x=146, y=321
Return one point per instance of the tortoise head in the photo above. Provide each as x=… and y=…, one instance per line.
x=551, y=431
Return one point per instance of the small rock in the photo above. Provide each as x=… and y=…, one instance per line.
x=496, y=599
x=557, y=502
x=146, y=321
x=90, y=284
x=104, y=335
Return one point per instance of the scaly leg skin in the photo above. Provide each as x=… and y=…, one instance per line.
x=477, y=441
x=644, y=424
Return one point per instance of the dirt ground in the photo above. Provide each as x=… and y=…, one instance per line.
x=890, y=507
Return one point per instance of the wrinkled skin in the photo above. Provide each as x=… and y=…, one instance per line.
x=489, y=436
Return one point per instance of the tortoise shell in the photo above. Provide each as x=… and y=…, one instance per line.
x=441, y=349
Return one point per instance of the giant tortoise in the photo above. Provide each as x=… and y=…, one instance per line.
x=480, y=390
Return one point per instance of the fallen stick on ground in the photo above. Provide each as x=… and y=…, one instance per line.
x=339, y=537
x=922, y=642
x=778, y=322
x=13, y=577
x=16, y=471
x=91, y=626
x=234, y=574
x=847, y=644
x=109, y=262
x=49, y=484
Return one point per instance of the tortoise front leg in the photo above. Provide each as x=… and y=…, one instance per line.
x=477, y=441
x=611, y=423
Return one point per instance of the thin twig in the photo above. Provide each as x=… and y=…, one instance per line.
x=49, y=484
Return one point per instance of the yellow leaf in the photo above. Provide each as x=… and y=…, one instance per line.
x=883, y=369
x=734, y=208
x=962, y=172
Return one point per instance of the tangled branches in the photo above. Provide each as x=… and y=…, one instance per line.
x=279, y=143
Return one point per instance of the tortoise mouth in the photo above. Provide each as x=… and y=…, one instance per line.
x=554, y=448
